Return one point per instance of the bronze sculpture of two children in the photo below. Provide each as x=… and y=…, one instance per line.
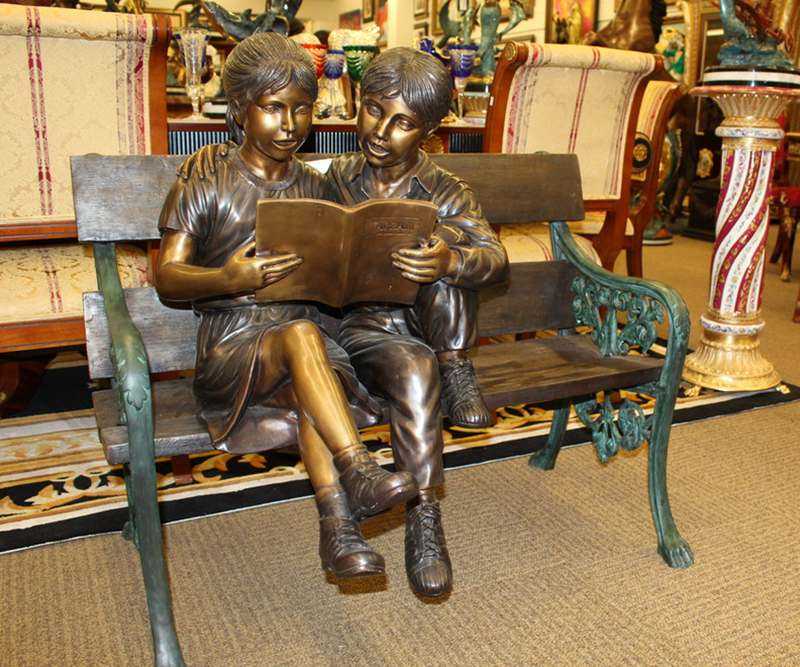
x=253, y=356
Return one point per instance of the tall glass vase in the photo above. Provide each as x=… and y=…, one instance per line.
x=462, y=60
x=358, y=59
x=193, y=43
x=333, y=102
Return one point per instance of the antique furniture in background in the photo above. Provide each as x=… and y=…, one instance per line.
x=74, y=82
x=660, y=96
x=575, y=99
x=131, y=334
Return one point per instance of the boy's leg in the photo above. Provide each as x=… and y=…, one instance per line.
x=342, y=548
x=447, y=318
x=405, y=371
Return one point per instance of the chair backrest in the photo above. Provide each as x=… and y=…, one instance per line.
x=545, y=186
x=571, y=99
x=75, y=81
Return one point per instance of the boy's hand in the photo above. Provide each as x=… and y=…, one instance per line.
x=427, y=264
x=203, y=161
x=245, y=272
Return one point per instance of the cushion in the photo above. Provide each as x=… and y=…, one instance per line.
x=47, y=282
x=530, y=242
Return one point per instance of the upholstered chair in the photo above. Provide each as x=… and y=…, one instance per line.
x=572, y=99
x=73, y=82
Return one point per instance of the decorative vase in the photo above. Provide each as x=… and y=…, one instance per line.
x=193, y=43
x=462, y=60
x=358, y=59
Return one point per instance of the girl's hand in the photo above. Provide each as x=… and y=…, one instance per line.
x=245, y=272
x=427, y=264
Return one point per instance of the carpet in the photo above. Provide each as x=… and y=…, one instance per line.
x=55, y=484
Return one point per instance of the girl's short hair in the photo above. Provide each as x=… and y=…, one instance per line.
x=417, y=77
x=264, y=63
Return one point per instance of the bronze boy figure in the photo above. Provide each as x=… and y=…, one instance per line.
x=254, y=360
x=398, y=352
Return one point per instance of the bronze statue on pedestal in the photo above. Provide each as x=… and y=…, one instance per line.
x=253, y=358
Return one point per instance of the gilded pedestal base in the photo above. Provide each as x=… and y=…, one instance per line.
x=729, y=361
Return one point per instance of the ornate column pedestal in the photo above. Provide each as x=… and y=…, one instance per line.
x=728, y=357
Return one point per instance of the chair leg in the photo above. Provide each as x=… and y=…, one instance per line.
x=672, y=547
x=633, y=260
x=789, y=228
x=146, y=524
x=545, y=459
x=796, y=317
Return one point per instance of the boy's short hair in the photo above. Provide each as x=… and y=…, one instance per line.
x=419, y=78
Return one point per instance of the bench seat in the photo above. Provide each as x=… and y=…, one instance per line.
x=530, y=371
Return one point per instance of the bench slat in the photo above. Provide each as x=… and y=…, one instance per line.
x=532, y=371
x=170, y=333
x=119, y=198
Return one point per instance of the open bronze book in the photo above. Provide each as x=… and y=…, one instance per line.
x=346, y=251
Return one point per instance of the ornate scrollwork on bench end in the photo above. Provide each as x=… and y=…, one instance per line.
x=626, y=426
x=598, y=307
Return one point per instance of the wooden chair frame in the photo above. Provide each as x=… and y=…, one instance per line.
x=648, y=188
x=610, y=241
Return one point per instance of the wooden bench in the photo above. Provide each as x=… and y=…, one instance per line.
x=131, y=334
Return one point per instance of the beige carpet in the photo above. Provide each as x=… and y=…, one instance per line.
x=550, y=568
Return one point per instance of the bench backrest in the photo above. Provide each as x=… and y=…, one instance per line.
x=120, y=198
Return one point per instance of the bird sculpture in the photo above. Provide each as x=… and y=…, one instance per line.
x=277, y=18
x=752, y=40
x=488, y=13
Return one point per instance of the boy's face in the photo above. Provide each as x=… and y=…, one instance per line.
x=276, y=124
x=388, y=131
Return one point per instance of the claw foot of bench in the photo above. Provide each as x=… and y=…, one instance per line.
x=676, y=552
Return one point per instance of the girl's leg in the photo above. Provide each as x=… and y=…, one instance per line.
x=299, y=349
x=342, y=548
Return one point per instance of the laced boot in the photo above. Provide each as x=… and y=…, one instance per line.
x=371, y=489
x=461, y=398
x=342, y=548
x=427, y=561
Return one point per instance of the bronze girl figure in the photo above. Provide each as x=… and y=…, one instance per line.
x=257, y=363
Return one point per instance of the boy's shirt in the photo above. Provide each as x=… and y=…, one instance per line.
x=482, y=258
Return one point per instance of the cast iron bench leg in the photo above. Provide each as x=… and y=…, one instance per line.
x=146, y=530
x=545, y=459
x=672, y=547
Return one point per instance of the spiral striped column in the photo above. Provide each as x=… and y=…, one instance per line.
x=728, y=357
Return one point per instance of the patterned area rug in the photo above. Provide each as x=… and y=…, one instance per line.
x=55, y=484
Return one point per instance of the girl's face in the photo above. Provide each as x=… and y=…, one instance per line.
x=276, y=124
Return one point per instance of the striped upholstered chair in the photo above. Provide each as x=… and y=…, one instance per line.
x=573, y=99
x=73, y=82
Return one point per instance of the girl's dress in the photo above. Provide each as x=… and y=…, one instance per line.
x=219, y=212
